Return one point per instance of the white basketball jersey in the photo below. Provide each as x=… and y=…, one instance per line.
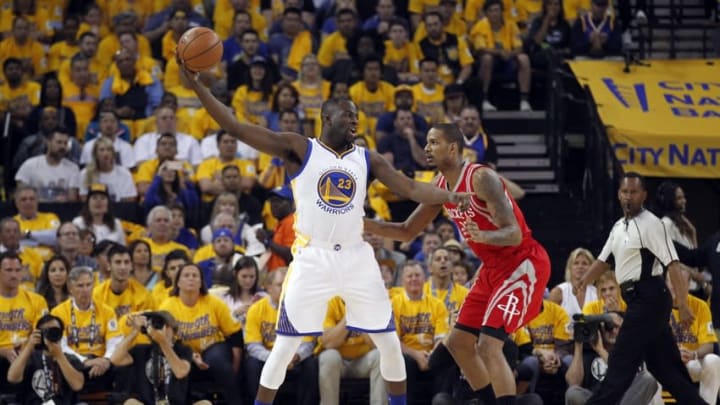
x=329, y=192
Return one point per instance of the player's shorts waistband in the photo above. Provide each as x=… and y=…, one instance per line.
x=336, y=246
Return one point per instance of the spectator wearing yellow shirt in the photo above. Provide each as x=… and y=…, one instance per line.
x=67, y=47
x=451, y=51
x=32, y=262
x=428, y=94
x=88, y=46
x=37, y=13
x=252, y=100
x=422, y=322
x=440, y=284
x=499, y=44
x=208, y=328
x=400, y=53
x=177, y=25
x=91, y=330
x=158, y=225
x=224, y=17
x=202, y=124
x=174, y=261
x=19, y=310
x=289, y=46
x=36, y=228
x=158, y=23
x=346, y=353
x=121, y=292
x=372, y=95
x=80, y=94
x=130, y=42
x=608, y=291
x=209, y=172
x=16, y=88
x=333, y=47
x=260, y=338
x=93, y=22
x=312, y=89
x=473, y=12
x=452, y=22
x=123, y=23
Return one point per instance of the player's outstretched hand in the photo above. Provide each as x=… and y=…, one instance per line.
x=187, y=74
x=462, y=200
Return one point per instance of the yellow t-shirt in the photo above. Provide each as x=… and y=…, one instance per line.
x=31, y=50
x=203, y=124
x=456, y=26
x=331, y=49
x=40, y=21
x=483, y=37
x=224, y=21
x=403, y=59
x=461, y=54
x=32, y=264
x=43, y=221
x=373, y=104
x=83, y=105
x=521, y=336
x=135, y=298
x=212, y=168
x=701, y=331
x=92, y=328
x=28, y=90
x=420, y=323
x=101, y=30
x=59, y=52
x=473, y=8
x=18, y=316
x=260, y=323
x=312, y=98
x=552, y=324
x=98, y=72
x=355, y=345
x=452, y=302
x=208, y=322
x=249, y=105
x=597, y=307
x=160, y=293
x=429, y=103
x=111, y=44
x=160, y=251
x=148, y=169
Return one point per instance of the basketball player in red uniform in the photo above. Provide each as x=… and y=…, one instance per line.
x=509, y=288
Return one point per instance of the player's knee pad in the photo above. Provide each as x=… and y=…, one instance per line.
x=273, y=373
x=392, y=364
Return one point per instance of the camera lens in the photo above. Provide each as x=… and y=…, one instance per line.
x=53, y=334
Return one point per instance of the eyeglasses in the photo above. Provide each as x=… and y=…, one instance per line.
x=71, y=233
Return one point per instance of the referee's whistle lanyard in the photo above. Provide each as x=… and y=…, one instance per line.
x=433, y=292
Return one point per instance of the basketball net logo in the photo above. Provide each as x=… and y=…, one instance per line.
x=509, y=309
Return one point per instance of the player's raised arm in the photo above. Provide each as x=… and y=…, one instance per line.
x=488, y=187
x=402, y=185
x=285, y=145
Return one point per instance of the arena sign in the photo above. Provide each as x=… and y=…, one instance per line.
x=662, y=119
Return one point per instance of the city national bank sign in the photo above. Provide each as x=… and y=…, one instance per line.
x=662, y=119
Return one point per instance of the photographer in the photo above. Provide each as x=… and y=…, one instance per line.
x=162, y=367
x=49, y=374
x=588, y=367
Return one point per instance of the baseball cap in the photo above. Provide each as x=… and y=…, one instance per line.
x=283, y=192
x=453, y=90
x=258, y=60
x=98, y=188
x=222, y=233
x=178, y=12
x=452, y=244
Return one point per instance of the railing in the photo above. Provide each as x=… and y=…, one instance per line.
x=555, y=115
x=601, y=170
x=705, y=45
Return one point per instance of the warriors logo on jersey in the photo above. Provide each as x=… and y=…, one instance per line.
x=336, y=189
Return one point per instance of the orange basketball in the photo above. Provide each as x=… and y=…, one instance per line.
x=200, y=49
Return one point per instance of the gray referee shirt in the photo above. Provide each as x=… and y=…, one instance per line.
x=639, y=243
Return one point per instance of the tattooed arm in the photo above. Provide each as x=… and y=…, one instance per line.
x=489, y=188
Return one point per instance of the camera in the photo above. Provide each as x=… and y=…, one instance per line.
x=52, y=334
x=586, y=327
x=156, y=320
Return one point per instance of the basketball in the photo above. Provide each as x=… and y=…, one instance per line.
x=200, y=49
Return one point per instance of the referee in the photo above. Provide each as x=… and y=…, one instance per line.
x=641, y=247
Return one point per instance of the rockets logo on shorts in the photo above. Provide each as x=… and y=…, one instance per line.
x=510, y=307
x=336, y=189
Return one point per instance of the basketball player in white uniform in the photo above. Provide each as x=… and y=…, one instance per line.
x=329, y=180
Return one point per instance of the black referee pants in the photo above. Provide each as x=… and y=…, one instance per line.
x=646, y=336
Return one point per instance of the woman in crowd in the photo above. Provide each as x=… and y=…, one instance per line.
x=285, y=98
x=103, y=169
x=565, y=294
x=313, y=90
x=244, y=234
x=140, y=254
x=53, y=281
x=453, y=103
x=93, y=129
x=174, y=261
x=244, y=291
x=171, y=185
x=51, y=96
x=96, y=215
x=549, y=37
x=252, y=100
x=670, y=205
x=208, y=328
x=87, y=242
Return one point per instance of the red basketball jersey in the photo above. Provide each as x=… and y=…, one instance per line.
x=507, y=257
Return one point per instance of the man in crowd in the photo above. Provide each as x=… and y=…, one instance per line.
x=122, y=292
x=37, y=228
x=68, y=238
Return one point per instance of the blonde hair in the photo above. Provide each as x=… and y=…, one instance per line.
x=92, y=172
x=573, y=256
x=225, y=196
x=607, y=276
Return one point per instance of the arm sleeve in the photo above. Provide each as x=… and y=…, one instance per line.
x=607, y=249
x=45, y=237
x=305, y=350
x=106, y=90
x=258, y=351
x=656, y=238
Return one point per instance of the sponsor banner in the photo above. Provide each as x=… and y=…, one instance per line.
x=662, y=119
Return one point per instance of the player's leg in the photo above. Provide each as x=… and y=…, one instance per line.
x=369, y=310
x=273, y=373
